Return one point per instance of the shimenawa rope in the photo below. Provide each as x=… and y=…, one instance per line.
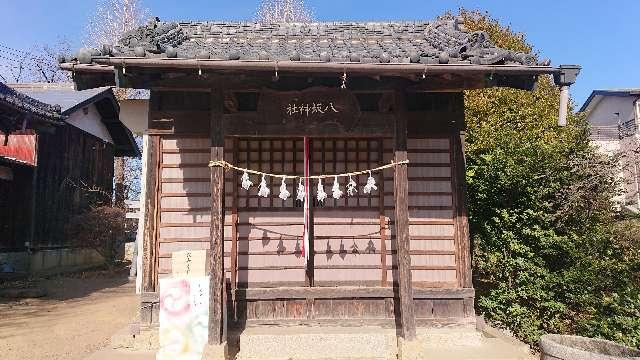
x=226, y=165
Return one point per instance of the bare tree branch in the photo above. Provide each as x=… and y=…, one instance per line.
x=283, y=11
x=37, y=64
x=109, y=23
x=44, y=60
x=112, y=19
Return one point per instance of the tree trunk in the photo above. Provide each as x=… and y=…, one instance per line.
x=118, y=173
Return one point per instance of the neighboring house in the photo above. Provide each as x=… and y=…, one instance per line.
x=613, y=116
x=55, y=172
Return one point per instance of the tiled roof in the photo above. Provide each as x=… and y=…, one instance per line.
x=27, y=104
x=62, y=94
x=443, y=41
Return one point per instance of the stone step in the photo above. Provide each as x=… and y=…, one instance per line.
x=321, y=343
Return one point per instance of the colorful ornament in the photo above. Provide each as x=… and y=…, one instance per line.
x=320, y=194
x=371, y=184
x=300, y=195
x=246, y=183
x=264, y=190
x=352, y=187
x=284, y=193
x=337, y=193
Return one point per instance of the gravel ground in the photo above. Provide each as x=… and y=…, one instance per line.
x=77, y=317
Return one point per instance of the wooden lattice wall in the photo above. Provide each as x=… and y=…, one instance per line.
x=263, y=235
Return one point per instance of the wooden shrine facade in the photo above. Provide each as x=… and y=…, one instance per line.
x=364, y=95
x=354, y=272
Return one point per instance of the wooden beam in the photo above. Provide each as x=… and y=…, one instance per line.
x=150, y=256
x=217, y=288
x=342, y=292
x=401, y=192
x=463, y=243
x=312, y=67
x=346, y=292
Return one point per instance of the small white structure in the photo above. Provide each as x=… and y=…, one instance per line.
x=614, y=116
x=134, y=113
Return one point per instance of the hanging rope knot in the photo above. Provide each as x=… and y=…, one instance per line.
x=221, y=163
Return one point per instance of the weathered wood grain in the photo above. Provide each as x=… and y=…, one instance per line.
x=149, y=256
x=461, y=218
x=217, y=288
x=401, y=193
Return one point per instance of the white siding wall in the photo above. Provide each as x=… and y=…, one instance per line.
x=90, y=122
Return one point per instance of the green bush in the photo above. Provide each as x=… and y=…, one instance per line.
x=549, y=254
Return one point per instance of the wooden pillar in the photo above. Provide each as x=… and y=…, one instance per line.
x=217, y=298
x=310, y=201
x=463, y=243
x=401, y=194
x=234, y=234
x=383, y=221
x=152, y=188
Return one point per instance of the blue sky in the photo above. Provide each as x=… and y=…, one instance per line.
x=602, y=36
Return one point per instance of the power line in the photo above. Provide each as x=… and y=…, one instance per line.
x=12, y=57
x=17, y=64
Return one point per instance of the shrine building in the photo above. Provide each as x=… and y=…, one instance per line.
x=308, y=105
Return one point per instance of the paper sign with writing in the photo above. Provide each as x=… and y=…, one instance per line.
x=190, y=263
